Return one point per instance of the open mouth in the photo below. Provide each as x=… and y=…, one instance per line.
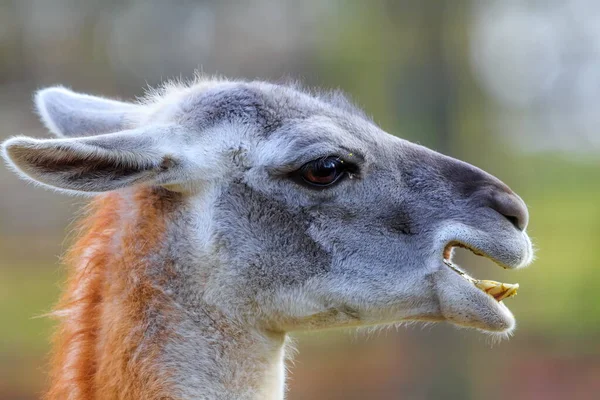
x=498, y=290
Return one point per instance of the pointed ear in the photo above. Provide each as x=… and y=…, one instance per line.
x=99, y=163
x=69, y=114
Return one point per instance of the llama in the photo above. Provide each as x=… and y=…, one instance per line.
x=227, y=214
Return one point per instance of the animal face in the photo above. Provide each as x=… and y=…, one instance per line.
x=299, y=212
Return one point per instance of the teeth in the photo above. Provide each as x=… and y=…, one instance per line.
x=511, y=291
x=498, y=290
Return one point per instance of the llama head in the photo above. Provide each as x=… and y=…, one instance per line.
x=299, y=212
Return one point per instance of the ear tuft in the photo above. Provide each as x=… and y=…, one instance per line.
x=69, y=114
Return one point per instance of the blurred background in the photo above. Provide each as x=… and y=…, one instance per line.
x=510, y=86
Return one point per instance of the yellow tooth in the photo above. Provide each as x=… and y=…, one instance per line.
x=498, y=290
x=486, y=286
x=511, y=290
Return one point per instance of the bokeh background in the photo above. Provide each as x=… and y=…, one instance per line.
x=510, y=86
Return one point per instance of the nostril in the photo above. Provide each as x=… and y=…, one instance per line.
x=512, y=208
x=514, y=220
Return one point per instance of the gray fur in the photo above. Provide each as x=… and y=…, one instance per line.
x=69, y=114
x=262, y=254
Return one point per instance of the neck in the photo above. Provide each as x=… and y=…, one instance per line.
x=221, y=360
x=127, y=331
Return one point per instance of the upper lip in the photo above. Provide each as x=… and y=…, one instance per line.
x=478, y=252
x=497, y=290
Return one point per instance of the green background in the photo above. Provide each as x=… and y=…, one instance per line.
x=410, y=65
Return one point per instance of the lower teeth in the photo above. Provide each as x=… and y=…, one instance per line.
x=497, y=290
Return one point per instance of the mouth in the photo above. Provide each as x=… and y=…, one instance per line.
x=470, y=302
x=497, y=290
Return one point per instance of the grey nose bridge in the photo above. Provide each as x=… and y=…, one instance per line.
x=485, y=190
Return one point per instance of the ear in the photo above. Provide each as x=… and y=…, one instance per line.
x=69, y=114
x=100, y=163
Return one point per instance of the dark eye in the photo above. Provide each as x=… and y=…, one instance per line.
x=323, y=172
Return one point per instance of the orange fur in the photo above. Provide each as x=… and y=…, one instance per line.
x=112, y=313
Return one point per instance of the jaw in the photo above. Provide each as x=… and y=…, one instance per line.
x=470, y=302
x=463, y=304
x=370, y=289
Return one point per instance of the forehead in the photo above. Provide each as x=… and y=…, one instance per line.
x=264, y=104
x=284, y=116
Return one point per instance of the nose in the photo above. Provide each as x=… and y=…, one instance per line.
x=511, y=206
x=486, y=190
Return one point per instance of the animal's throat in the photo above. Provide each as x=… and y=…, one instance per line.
x=498, y=290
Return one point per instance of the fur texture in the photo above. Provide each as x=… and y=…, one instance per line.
x=206, y=246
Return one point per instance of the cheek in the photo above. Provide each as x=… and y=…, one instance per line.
x=267, y=243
